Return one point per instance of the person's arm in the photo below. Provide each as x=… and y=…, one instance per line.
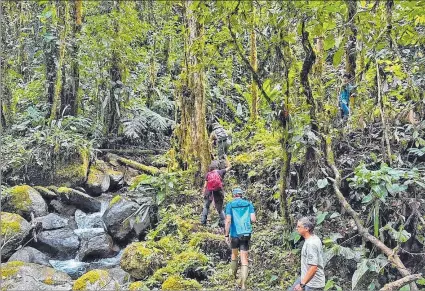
x=252, y=213
x=253, y=218
x=205, y=187
x=228, y=165
x=311, y=271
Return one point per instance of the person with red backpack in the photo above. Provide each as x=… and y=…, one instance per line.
x=213, y=191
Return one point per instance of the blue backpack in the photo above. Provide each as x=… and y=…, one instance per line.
x=242, y=218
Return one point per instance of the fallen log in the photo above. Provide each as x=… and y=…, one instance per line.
x=133, y=151
x=138, y=166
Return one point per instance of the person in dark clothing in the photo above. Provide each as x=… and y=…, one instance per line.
x=213, y=191
x=220, y=140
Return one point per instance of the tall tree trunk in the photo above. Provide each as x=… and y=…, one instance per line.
x=192, y=131
x=254, y=65
x=389, y=4
x=350, y=53
x=112, y=116
x=310, y=57
x=56, y=102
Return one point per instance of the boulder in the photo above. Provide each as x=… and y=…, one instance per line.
x=30, y=255
x=211, y=244
x=116, y=178
x=140, y=261
x=60, y=243
x=52, y=221
x=45, y=192
x=79, y=199
x=72, y=171
x=180, y=283
x=18, y=275
x=122, y=221
x=62, y=208
x=98, y=181
x=121, y=276
x=100, y=246
x=87, y=233
x=96, y=280
x=23, y=200
x=14, y=229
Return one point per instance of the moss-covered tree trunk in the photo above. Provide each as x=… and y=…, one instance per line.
x=350, y=52
x=254, y=65
x=192, y=132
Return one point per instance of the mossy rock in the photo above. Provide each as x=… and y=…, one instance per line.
x=140, y=261
x=138, y=286
x=19, y=276
x=96, y=280
x=73, y=171
x=170, y=245
x=179, y=283
x=115, y=200
x=190, y=263
x=98, y=181
x=45, y=192
x=79, y=199
x=211, y=244
x=14, y=229
x=23, y=200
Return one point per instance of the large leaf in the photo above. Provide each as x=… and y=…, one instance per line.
x=322, y=183
x=362, y=268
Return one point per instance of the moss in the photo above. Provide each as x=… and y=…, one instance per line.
x=45, y=192
x=139, y=166
x=95, y=176
x=179, y=283
x=10, y=223
x=74, y=173
x=170, y=245
x=64, y=190
x=141, y=261
x=19, y=196
x=138, y=286
x=244, y=158
x=48, y=281
x=10, y=269
x=115, y=200
x=91, y=277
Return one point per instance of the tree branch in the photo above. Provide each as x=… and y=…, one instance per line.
x=396, y=285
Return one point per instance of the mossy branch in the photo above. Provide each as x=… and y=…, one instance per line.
x=138, y=166
x=336, y=182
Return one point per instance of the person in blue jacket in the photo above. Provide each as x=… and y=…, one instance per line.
x=238, y=228
x=344, y=97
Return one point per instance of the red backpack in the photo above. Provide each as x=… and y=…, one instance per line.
x=214, y=181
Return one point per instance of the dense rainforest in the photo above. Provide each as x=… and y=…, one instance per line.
x=106, y=115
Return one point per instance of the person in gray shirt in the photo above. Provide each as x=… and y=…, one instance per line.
x=312, y=274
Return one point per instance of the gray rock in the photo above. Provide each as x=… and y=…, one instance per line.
x=14, y=230
x=28, y=276
x=100, y=246
x=62, y=208
x=61, y=243
x=79, y=199
x=121, y=276
x=72, y=267
x=52, y=221
x=30, y=255
x=117, y=179
x=87, y=233
x=98, y=182
x=134, y=225
x=103, y=281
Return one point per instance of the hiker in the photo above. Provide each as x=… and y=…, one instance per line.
x=312, y=274
x=239, y=216
x=220, y=140
x=344, y=97
x=213, y=190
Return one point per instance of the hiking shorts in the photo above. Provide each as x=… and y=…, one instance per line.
x=241, y=243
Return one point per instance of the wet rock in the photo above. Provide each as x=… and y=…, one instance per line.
x=122, y=221
x=24, y=276
x=87, y=233
x=61, y=243
x=98, y=181
x=100, y=246
x=72, y=267
x=45, y=192
x=84, y=220
x=121, y=276
x=30, y=255
x=116, y=178
x=52, y=221
x=14, y=229
x=107, y=263
x=79, y=199
x=23, y=200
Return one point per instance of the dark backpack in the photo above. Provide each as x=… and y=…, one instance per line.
x=214, y=181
